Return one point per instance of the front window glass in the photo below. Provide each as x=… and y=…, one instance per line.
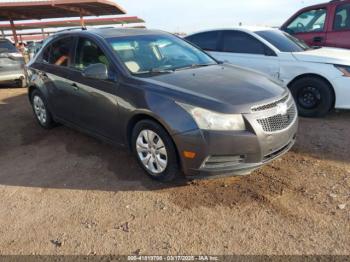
x=310, y=21
x=88, y=53
x=157, y=54
x=283, y=41
x=242, y=43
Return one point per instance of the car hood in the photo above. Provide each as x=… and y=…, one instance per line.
x=325, y=55
x=224, y=88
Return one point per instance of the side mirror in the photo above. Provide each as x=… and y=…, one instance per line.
x=96, y=71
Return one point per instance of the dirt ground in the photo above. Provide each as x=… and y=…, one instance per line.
x=62, y=192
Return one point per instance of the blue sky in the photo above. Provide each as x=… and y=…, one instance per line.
x=192, y=15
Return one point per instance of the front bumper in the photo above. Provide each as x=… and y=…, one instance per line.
x=11, y=75
x=226, y=153
x=341, y=87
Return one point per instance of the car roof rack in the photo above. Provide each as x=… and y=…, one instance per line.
x=70, y=29
x=82, y=28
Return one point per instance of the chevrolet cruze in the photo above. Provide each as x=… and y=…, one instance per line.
x=175, y=107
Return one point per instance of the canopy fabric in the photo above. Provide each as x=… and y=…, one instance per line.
x=29, y=10
x=73, y=23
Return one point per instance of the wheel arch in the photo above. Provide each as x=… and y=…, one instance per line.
x=314, y=76
x=31, y=88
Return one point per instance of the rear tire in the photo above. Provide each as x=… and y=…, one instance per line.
x=155, y=151
x=41, y=111
x=313, y=96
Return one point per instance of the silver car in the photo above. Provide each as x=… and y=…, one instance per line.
x=11, y=64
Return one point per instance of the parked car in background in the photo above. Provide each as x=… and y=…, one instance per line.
x=326, y=24
x=33, y=48
x=319, y=78
x=170, y=102
x=11, y=64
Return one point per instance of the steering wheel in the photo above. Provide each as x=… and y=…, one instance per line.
x=300, y=27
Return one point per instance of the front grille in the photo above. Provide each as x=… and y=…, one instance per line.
x=270, y=105
x=278, y=122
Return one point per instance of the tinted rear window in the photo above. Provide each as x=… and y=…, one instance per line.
x=207, y=41
x=6, y=46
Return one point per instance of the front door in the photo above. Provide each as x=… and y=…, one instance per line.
x=96, y=107
x=242, y=49
x=310, y=26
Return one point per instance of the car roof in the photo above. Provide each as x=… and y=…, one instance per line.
x=4, y=40
x=248, y=29
x=321, y=5
x=111, y=32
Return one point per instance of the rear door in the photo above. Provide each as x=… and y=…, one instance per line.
x=339, y=35
x=242, y=49
x=54, y=72
x=310, y=26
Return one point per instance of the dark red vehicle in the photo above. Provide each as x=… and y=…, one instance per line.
x=325, y=24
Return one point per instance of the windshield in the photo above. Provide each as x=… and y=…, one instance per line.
x=7, y=47
x=283, y=41
x=158, y=54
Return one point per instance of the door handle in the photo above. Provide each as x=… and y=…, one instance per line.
x=75, y=86
x=318, y=39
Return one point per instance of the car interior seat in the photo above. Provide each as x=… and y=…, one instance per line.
x=93, y=55
x=338, y=23
x=347, y=21
x=128, y=56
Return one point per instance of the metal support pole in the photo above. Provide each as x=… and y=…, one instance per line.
x=43, y=33
x=13, y=28
x=82, y=22
x=2, y=33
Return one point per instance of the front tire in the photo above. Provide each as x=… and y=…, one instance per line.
x=155, y=151
x=313, y=96
x=41, y=111
x=21, y=83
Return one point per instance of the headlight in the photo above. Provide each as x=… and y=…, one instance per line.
x=344, y=69
x=209, y=120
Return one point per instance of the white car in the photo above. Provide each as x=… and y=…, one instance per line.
x=319, y=78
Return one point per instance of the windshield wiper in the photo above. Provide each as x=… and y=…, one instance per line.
x=155, y=71
x=193, y=66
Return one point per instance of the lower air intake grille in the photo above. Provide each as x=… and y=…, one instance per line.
x=214, y=162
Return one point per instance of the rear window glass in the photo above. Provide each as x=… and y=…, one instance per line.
x=7, y=46
x=284, y=42
x=208, y=41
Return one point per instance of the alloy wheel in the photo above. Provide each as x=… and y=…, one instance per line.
x=40, y=110
x=151, y=151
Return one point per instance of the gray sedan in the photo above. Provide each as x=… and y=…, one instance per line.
x=175, y=107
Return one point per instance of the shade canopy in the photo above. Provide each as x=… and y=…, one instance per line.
x=73, y=23
x=29, y=10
